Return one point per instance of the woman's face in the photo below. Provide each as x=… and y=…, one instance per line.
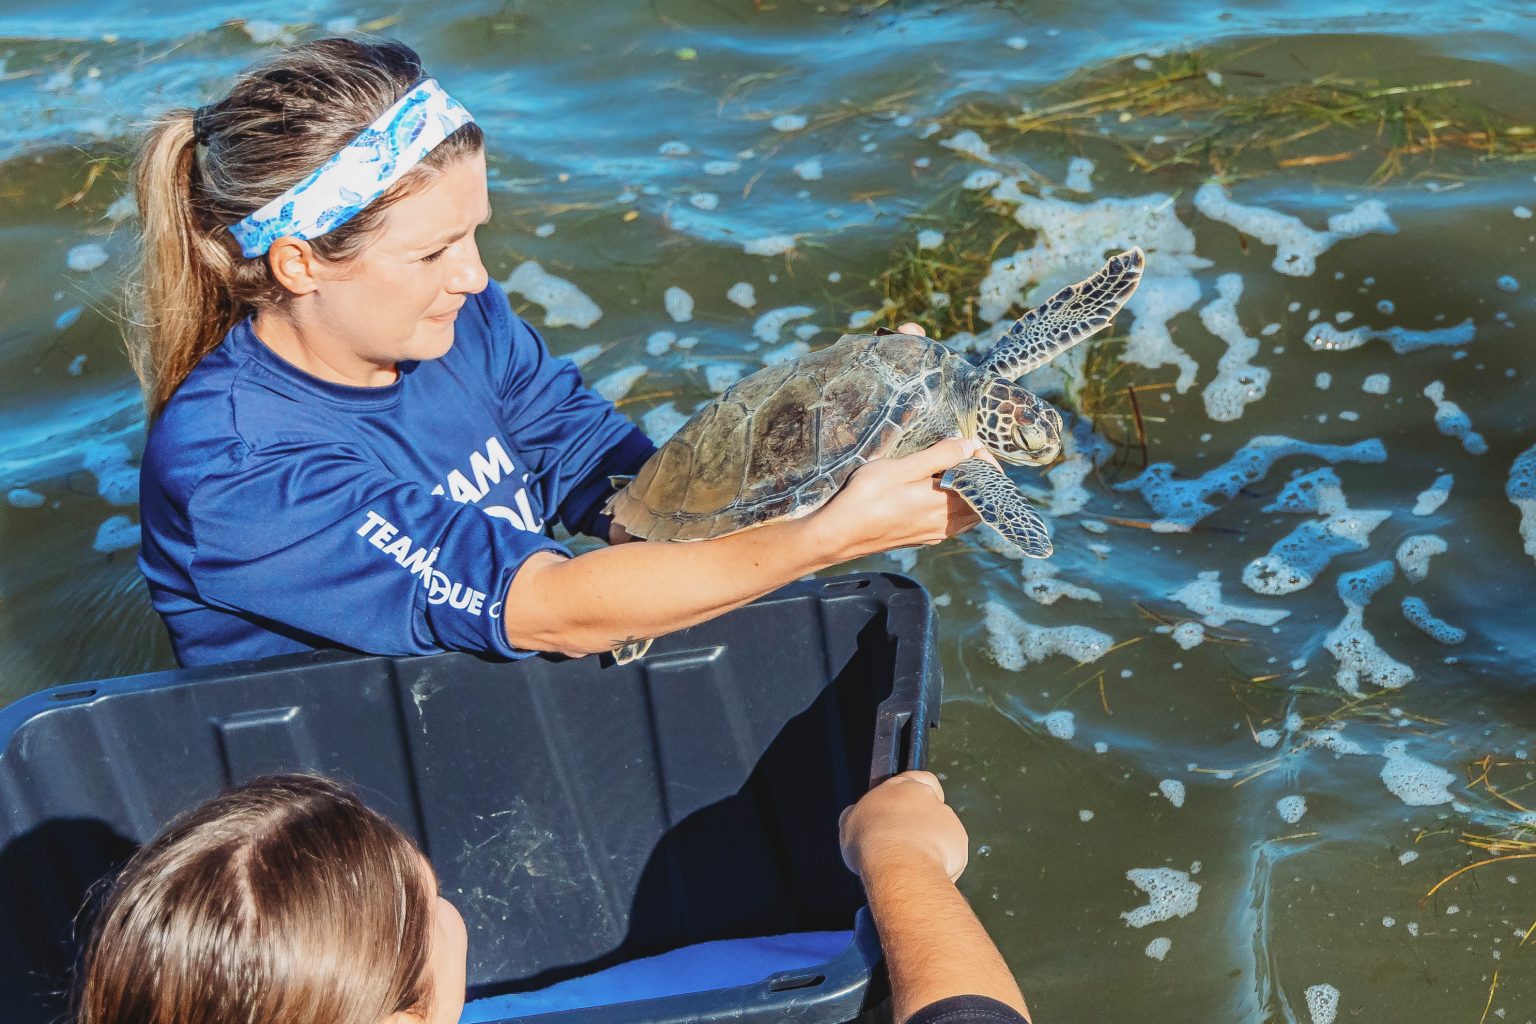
x=398, y=298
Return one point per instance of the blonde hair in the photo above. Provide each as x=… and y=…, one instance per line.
x=285, y=899
x=282, y=119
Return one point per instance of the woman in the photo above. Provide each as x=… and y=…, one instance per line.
x=286, y=899
x=355, y=443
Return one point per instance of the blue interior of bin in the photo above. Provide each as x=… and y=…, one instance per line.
x=581, y=814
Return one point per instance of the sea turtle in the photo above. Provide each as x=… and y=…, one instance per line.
x=780, y=443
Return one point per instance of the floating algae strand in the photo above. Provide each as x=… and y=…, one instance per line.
x=1183, y=503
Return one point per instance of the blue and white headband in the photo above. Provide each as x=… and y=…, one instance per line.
x=364, y=170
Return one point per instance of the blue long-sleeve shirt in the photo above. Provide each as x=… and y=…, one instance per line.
x=282, y=512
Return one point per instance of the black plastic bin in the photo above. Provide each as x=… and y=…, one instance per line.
x=588, y=813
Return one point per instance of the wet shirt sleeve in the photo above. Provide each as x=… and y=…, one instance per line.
x=967, y=1010
x=321, y=539
x=547, y=406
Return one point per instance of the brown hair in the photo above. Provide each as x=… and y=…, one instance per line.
x=282, y=119
x=285, y=899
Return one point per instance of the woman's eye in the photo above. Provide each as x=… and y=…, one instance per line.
x=433, y=258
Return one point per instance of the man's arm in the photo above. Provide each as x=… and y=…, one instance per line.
x=908, y=847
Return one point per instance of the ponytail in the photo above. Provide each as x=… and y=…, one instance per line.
x=185, y=274
x=282, y=119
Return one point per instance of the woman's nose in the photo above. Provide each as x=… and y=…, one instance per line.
x=469, y=274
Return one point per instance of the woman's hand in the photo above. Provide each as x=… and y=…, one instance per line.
x=897, y=503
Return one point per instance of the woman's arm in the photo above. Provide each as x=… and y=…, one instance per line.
x=599, y=600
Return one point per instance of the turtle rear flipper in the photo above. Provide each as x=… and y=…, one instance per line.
x=1000, y=504
x=1076, y=312
x=632, y=651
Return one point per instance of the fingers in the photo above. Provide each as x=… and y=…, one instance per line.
x=910, y=328
x=922, y=778
x=935, y=460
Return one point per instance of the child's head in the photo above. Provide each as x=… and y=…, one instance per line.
x=282, y=900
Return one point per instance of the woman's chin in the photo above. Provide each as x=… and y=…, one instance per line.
x=433, y=340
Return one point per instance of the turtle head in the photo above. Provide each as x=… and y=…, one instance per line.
x=1016, y=426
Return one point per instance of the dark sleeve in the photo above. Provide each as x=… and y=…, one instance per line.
x=967, y=1010
x=546, y=406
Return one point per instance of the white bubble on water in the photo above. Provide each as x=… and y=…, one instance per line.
x=1238, y=382
x=929, y=239
x=1060, y=724
x=1296, y=245
x=617, y=384
x=705, y=201
x=770, y=245
x=1013, y=642
x=790, y=122
x=1431, y=498
x=658, y=342
x=1079, y=175
x=968, y=143
x=1085, y=815
x=1267, y=737
x=1323, y=1003
x=1101, y=747
x=742, y=294
x=662, y=422
x=1413, y=928
x=810, y=169
x=1508, y=283
x=1203, y=597
x=85, y=257
x=719, y=168
x=1188, y=634
x=23, y=497
x=1520, y=489
x=1170, y=893
x=1388, y=922
x=679, y=304
x=719, y=376
x=117, y=533
x=564, y=303
x=1173, y=789
x=1291, y=808
x=544, y=230
x=1414, y=553
x=769, y=324
x=1376, y=384
x=1415, y=782
x=1452, y=421
x=1015, y=42
x=673, y=147
x=1159, y=947
x=1417, y=612
x=1407, y=857
x=1323, y=381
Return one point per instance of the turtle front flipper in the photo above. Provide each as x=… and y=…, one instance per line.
x=1066, y=318
x=1000, y=504
x=632, y=651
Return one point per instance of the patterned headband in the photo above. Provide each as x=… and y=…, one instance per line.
x=364, y=170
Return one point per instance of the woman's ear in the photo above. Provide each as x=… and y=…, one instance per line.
x=295, y=266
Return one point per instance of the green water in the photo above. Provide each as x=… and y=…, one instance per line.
x=602, y=118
